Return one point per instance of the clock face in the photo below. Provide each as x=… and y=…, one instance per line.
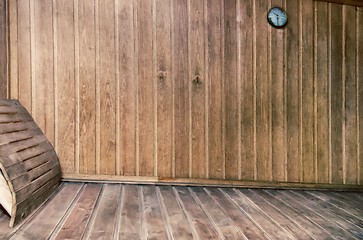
x=277, y=17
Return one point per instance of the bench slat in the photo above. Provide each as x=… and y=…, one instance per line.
x=28, y=161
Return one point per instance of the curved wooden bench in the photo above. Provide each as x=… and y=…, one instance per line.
x=29, y=166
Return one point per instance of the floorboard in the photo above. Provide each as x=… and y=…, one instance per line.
x=122, y=211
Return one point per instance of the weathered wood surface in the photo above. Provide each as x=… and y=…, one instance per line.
x=194, y=89
x=3, y=49
x=121, y=211
x=28, y=161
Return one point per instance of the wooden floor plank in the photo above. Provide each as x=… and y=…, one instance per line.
x=104, y=222
x=249, y=229
x=153, y=221
x=53, y=211
x=130, y=224
x=337, y=219
x=5, y=231
x=257, y=215
x=122, y=211
x=76, y=223
x=225, y=225
x=308, y=213
x=336, y=210
x=283, y=220
x=340, y=204
x=197, y=216
x=181, y=228
x=353, y=198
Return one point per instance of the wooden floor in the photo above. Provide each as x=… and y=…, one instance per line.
x=119, y=211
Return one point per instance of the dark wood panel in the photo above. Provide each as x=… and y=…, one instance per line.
x=336, y=92
x=322, y=81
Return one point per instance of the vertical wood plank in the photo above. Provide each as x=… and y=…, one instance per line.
x=105, y=220
x=44, y=91
x=164, y=78
x=230, y=90
x=179, y=223
x=75, y=225
x=196, y=216
x=3, y=50
x=128, y=87
x=336, y=93
x=322, y=92
x=65, y=76
x=13, y=48
x=307, y=90
x=350, y=104
x=107, y=78
x=263, y=158
x=154, y=223
x=247, y=87
x=215, y=132
x=293, y=89
x=145, y=87
x=87, y=83
x=278, y=110
x=130, y=223
x=198, y=78
x=181, y=87
x=24, y=56
x=360, y=90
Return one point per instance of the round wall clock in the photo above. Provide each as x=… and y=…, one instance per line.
x=277, y=17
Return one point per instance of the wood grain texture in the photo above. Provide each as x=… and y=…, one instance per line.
x=278, y=100
x=128, y=86
x=198, y=89
x=165, y=82
x=262, y=80
x=248, y=124
x=190, y=213
x=307, y=91
x=145, y=88
x=293, y=94
x=24, y=53
x=360, y=91
x=193, y=89
x=231, y=90
x=322, y=91
x=87, y=83
x=75, y=225
x=215, y=56
x=181, y=88
x=107, y=77
x=336, y=56
x=350, y=94
x=65, y=81
x=3, y=49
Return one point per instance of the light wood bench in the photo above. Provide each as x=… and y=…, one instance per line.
x=29, y=166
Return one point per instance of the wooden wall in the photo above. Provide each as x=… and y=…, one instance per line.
x=181, y=90
x=3, y=51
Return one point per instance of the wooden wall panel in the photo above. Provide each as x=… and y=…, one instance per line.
x=193, y=91
x=3, y=51
x=87, y=86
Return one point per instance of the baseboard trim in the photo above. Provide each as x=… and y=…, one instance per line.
x=207, y=182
